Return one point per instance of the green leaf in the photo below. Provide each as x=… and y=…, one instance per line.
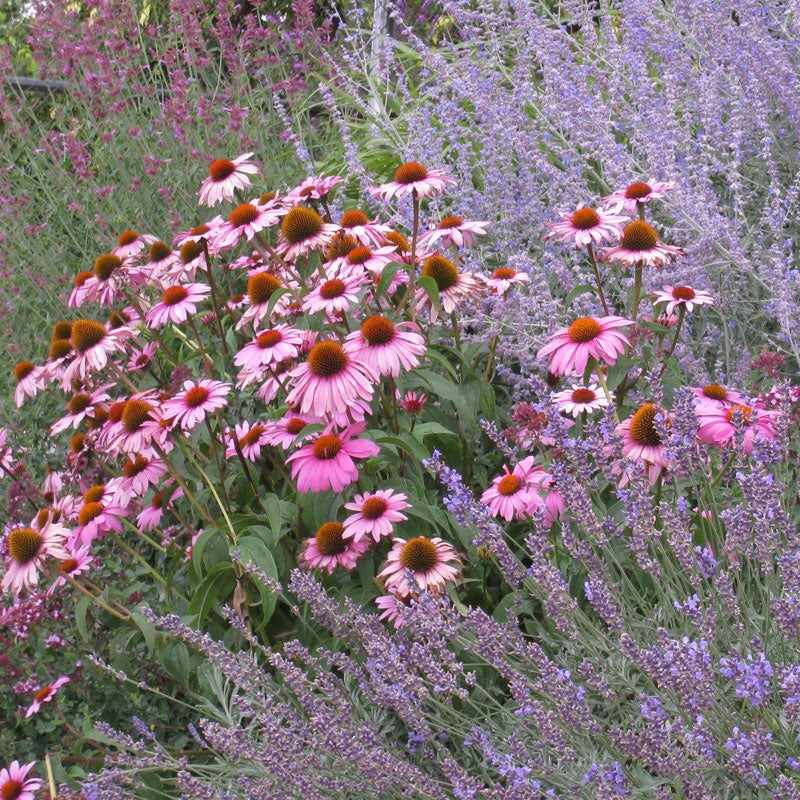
x=581, y=288
x=175, y=659
x=254, y=550
x=147, y=628
x=220, y=579
x=407, y=443
x=387, y=275
x=431, y=288
x=80, y=617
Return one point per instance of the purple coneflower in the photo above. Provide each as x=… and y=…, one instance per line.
x=432, y=562
x=586, y=226
x=177, y=303
x=580, y=399
x=681, y=297
x=44, y=695
x=453, y=231
x=197, y=399
x=571, y=348
x=27, y=550
x=329, y=549
x=385, y=347
x=640, y=245
x=628, y=199
x=225, y=177
x=409, y=178
x=375, y=514
x=14, y=784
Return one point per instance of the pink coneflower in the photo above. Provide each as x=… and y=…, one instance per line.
x=250, y=439
x=503, y=278
x=571, y=348
x=151, y=515
x=78, y=562
x=141, y=358
x=642, y=442
x=161, y=259
x=334, y=296
x=682, y=297
x=391, y=605
x=514, y=494
x=27, y=550
x=717, y=424
x=313, y=188
x=433, y=563
x=138, y=475
x=453, y=231
x=99, y=515
x=130, y=243
x=285, y=431
x=93, y=343
x=715, y=394
x=453, y=284
x=44, y=695
x=580, y=399
x=111, y=275
x=375, y=514
x=628, y=199
x=586, y=226
x=177, y=303
x=302, y=231
x=413, y=402
x=640, y=245
x=385, y=347
x=81, y=406
x=243, y=223
x=260, y=296
x=329, y=549
x=133, y=425
x=15, y=786
x=364, y=258
x=31, y=379
x=330, y=380
x=270, y=348
x=197, y=399
x=225, y=177
x=357, y=224
x=409, y=178
x=327, y=462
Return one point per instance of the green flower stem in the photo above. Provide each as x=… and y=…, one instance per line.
x=723, y=470
x=681, y=315
x=604, y=386
x=182, y=483
x=215, y=300
x=208, y=364
x=637, y=290
x=213, y=441
x=96, y=600
x=143, y=561
x=593, y=262
x=408, y=300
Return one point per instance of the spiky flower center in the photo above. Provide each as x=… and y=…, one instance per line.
x=374, y=508
x=329, y=539
x=583, y=396
x=42, y=694
x=638, y=235
x=584, y=330
x=199, y=230
x=79, y=402
x=127, y=237
x=684, y=293
x=340, y=246
x=69, y=565
x=419, y=554
x=243, y=214
x=638, y=190
x=61, y=330
x=442, y=270
x=327, y=447
x=196, y=396
x=82, y=277
x=159, y=251
x=301, y=223
x=22, y=370
x=715, y=391
x=399, y=241
x=117, y=319
x=46, y=514
x=86, y=333
x=296, y=424
x=106, y=264
x=11, y=789
x=157, y=501
x=94, y=494
x=377, y=331
x=353, y=218
x=190, y=251
x=643, y=429
x=267, y=197
x=89, y=512
x=261, y=287
x=252, y=436
x=743, y=412
x=327, y=359
x=220, y=169
x=410, y=172
x=332, y=289
x=98, y=420
x=132, y=468
x=508, y=485
x=174, y=295
x=58, y=349
x=451, y=222
x=24, y=544
x=134, y=414
x=584, y=219
x=359, y=255
x=504, y=273
x=269, y=339
x=76, y=443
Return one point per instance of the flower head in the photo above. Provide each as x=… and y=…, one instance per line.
x=385, y=347
x=681, y=297
x=197, y=399
x=586, y=226
x=177, y=303
x=453, y=231
x=516, y=494
x=640, y=245
x=15, y=786
x=375, y=514
x=571, y=348
x=44, y=695
x=410, y=178
x=27, y=550
x=503, y=278
x=302, y=231
x=432, y=562
x=642, y=442
x=718, y=423
x=627, y=199
x=580, y=399
x=453, y=285
x=225, y=177
x=330, y=549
